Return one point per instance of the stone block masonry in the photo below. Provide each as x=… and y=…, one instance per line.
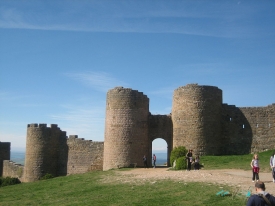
x=126, y=128
x=12, y=169
x=84, y=155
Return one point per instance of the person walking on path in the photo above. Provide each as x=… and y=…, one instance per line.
x=145, y=161
x=255, y=168
x=261, y=198
x=189, y=159
x=154, y=160
x=272, y=165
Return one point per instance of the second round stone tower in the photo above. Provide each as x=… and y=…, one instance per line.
x=126, y=128
x=196, y=117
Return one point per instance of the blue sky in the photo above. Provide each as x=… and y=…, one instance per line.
x=58, y=59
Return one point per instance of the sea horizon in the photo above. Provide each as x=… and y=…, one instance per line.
x=19, y=157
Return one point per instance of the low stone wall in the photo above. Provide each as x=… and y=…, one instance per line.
x=12, y=169
x=84, y=155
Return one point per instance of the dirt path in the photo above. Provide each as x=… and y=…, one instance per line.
x=232, y=177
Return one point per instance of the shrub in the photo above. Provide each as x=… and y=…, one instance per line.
x=181, y=163
x=5, y=181
x=47, y=176
x=176, y=153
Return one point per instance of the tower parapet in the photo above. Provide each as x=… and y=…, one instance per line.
x=126, y=128
x=196, y=116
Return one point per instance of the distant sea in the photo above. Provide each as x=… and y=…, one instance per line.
x=19, y=157
x=161, y=158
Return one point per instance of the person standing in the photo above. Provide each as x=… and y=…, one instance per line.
x=154, y=160
x=261, y=197
x=255, y=168
x=272, y=165
x=189, y=159
x=145, y=161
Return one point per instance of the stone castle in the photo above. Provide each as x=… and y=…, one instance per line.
x=199, y=120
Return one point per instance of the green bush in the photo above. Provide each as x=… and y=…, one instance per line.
x=181, y=163
x=5, y=181
x=47, y=176
x=176, y=153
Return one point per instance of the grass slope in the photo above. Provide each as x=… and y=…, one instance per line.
x=89, y=189
x=236, y=161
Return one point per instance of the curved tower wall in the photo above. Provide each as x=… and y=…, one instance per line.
x=196, y=116
x=126, y=128
x=42, y=147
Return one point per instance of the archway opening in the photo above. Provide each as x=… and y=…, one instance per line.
x=160, y=149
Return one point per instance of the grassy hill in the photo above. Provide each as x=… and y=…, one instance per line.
x=89, y=189
x=236, y=161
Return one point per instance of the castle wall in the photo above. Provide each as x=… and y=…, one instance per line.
x=199, y=121
x=262, y=123
x=4, y=154
x=196, y=116
x=126, y=128
x=248, y=129
x=160, y=126
x=42, y=151
x=12, y=169
x=84, y=155
x=236, y=131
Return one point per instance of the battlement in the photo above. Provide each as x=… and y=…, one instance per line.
x=121, y=90
x=196, y=86
x=34, y=125
x=42, y=125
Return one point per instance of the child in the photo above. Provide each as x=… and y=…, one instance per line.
x=255, y=168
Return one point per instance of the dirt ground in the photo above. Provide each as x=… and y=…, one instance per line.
x=239, y=179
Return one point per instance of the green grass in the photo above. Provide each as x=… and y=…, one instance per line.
x=89, y=189
x=236, y=161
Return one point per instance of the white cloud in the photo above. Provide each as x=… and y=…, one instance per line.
x=207, y=19
x=17, y=141
x=100, y=81
x=83, y=121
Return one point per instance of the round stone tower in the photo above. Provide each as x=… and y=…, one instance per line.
x=126, y=128
x=42, y=147
x=196, y=117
